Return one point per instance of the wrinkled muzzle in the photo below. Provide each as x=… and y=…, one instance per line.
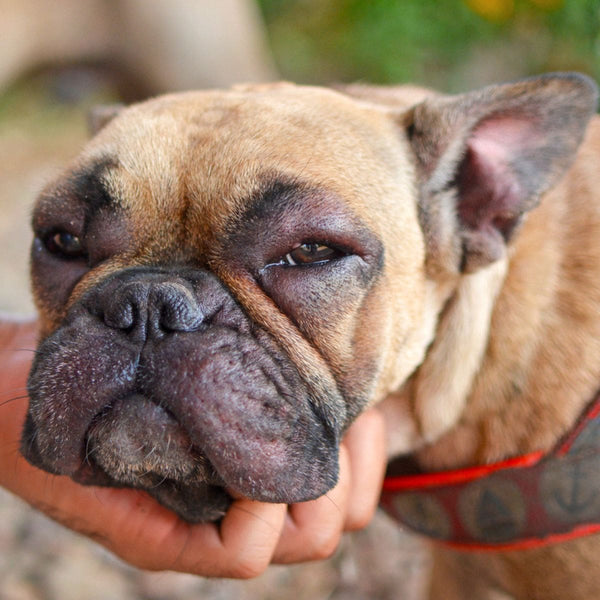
x=158, y=380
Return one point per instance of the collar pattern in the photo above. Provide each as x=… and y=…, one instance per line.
x=524, y=502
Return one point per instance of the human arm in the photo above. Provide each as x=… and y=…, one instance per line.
x=139, y=530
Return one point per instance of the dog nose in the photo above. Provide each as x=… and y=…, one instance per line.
x=151, y=308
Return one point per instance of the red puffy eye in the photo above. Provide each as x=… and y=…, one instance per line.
x=311, y=253
x=65, y=244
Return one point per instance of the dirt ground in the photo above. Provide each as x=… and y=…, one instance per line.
x=40, y=560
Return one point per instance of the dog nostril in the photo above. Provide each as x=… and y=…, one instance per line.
x=172, y=307
x=118, y=314
x=174, y=319
x=151, y=308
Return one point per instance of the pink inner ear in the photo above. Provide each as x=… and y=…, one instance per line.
x=491, y=193
x=504, y=134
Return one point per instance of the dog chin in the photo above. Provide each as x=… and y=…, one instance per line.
x=194, y=502
x=136, y=443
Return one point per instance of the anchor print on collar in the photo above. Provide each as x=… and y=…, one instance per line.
x=523, y=502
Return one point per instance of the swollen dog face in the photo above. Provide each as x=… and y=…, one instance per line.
x=226, y=279
x=201, y=289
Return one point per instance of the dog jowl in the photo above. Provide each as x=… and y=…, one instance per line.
x=225, y=279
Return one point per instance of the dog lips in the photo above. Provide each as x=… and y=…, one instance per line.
x=136, y=438
x=139, y=444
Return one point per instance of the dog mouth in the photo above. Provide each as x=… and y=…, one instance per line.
x=136, y=443
x=183, y=401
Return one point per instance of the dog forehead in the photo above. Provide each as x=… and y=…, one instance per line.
x=217, y=145
x=182, y=165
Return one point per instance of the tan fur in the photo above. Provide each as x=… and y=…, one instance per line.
x=540, y=369
x=478, y=363
x=545, y=357
x=157, y=140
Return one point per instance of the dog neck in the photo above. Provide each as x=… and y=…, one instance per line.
x=516, y=356
x=525, y=502
x=540, y=359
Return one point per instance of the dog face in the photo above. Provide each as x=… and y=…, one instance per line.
x=226, y=279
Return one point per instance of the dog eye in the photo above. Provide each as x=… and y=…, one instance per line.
x=65, y=244
x=310, y=254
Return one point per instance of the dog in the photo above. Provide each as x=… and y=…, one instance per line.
x=226, y=279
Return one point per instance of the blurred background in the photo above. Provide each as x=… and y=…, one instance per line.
x=58, y=59
x=452, y=45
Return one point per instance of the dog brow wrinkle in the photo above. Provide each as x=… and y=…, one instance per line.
x=92, y=189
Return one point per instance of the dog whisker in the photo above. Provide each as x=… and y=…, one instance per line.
x=13, y=350
x=333, y=502
x=32, y=440
x=13, y=399
x=88, y=452
x=149, y=453
x=253, y=514
x=157, y=485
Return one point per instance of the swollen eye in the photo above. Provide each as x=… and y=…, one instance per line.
x=65, y=244
x=311, y=253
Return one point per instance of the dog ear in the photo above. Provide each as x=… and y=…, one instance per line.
x=485, y=157
x=100, y=115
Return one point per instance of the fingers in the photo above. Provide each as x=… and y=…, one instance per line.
x=365, y=441
x=241, y=547
x=17, y=334
x=251, y=535
x=254, y=534
x=136, y=528
x=313, y=530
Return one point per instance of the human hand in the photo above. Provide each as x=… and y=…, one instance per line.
x=142, y=532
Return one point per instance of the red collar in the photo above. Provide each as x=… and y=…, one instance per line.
x=519, y=503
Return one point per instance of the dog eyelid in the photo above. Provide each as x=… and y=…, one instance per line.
x=289, y=260
x=311, y=253
x=64, y=244
x=308, y=254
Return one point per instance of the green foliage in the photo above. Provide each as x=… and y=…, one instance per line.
x=444, y=43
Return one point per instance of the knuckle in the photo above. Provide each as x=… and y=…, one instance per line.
x=324, y=546
x=139, y=562
x=358, y=520
x=247, y=567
